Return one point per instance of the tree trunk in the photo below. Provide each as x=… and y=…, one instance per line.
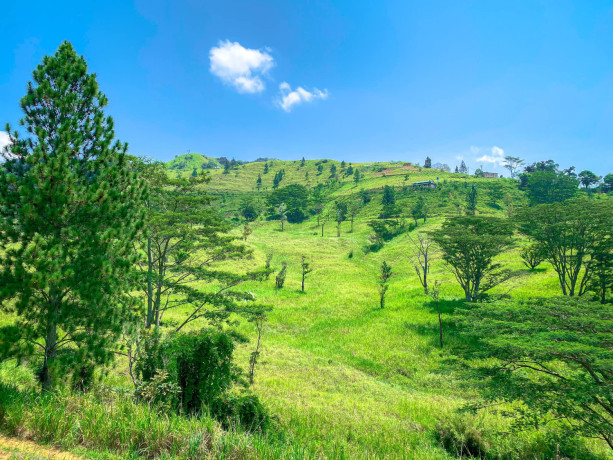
x=338, y=230
x=149, y=318
x=282, y=221
x=50, y=354
x=322, y=229
x=440, y=324
x=303, y=281
x=352, y=225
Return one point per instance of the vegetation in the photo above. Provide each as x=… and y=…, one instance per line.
x=176, y=341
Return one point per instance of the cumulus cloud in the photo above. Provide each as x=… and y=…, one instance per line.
x=289, y=98
x=4, y=140
x=496, y=157
x=240, y=67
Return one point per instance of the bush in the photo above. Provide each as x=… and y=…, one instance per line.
x=460, y=436
x=244, y=410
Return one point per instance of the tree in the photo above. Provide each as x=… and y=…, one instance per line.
x=552, y=355
x=428, y=163
x=295, y=197
x=423, y=253
x=184, y=249
x=258, y=182
x=195, y=173
x=356, y=176
x=280, y=279
x=385, y=273
x=389, y=202
x=69, y=210
x=306, y=269
x=353, y=210
x=513, y=164
x=549, y=186
x=588, y=178
x=456, y=170
x=258, y=317
x=469, y=245
x=247, y=231
x=332, y=170
x=463, y=168
x=420, y=210
x=341, y=214
x=281, y=210
x=248, y=210
x=343, y=164
x=601, y=281
x=266, y=168
x=567, y=234
x=302, y=162
x=320, y=169
x=532, y=256
x=471, y=200
x=607, y=184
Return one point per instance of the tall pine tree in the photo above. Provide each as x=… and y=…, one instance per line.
x=69, y=211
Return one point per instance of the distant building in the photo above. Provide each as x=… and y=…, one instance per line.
x=424, y=184
x=490, y=175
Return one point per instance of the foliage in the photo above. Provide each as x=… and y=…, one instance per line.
x=554, y=355
x=532, y=256
x=567, y=234
x=469, y=245
x=385, y=273
x=186, y=242
x=420, y=210
x=588, y=178
x=306, y=269
x=513, y=164
x=280, y=279
x=296, y=199
x=384, y=230
x=471, y=200
x=423, y=253
x=70, y=205
x=544, y=187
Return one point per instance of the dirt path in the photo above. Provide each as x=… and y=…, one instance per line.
x=11, y=448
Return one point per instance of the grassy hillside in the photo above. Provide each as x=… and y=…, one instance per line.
x=345, y=378
x=189, y=161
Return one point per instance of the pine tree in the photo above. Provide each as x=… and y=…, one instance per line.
x=428, y=163
x=302, y=162
x=70, y=210
x=463, y=168
x=356, y=176
x=258, y=183
x=266, y=168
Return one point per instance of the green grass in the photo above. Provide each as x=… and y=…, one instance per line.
x=344, y=378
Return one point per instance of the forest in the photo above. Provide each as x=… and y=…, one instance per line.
x=218, y=308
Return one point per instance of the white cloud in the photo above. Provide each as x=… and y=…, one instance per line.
x=4, y=140
x=289, y=98
x=496, y=158
x=239, y=66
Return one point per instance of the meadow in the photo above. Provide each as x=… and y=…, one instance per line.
x=342, y=377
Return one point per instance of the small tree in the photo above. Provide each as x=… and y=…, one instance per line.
x=282, y=211
x=353, y=210
x=267, y=268
x=306, y=269
x=423, y=253
x=385, y=273
x=428, y=163
x=356, y=176
x=435, y=293
x=463, y=168
x=280, y=279
x=258, y=182
x=246, y=231
x=302, y=162
x=469, y=245
x=532, y=256
x=266, y=168
x=258, y=316
x=471, y=200
x=341, y=215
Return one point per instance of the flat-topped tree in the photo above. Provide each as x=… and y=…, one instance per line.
x=70, y=208
x=469, y=245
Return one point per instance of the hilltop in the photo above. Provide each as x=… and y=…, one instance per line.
x=189, y=161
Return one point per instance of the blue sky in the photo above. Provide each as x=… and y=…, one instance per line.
x=353, y=80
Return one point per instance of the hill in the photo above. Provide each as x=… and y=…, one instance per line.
x=189, y=161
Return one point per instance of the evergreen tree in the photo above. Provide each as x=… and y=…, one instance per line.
x=428, y=163
x=471, y=200
x=302, y=162
x=463, y=168
x=258, y=182
x=69, y=211
x=195, y=173
x=266, y=168
x=356, y=176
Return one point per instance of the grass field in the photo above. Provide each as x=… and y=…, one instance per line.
x=345, y=378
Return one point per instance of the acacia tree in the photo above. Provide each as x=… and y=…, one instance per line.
x=186, y=241
x=69, y=209
x=423, y=253
x=553, y=355
x=469, y=245
x=568, y=234
x=588, y=178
